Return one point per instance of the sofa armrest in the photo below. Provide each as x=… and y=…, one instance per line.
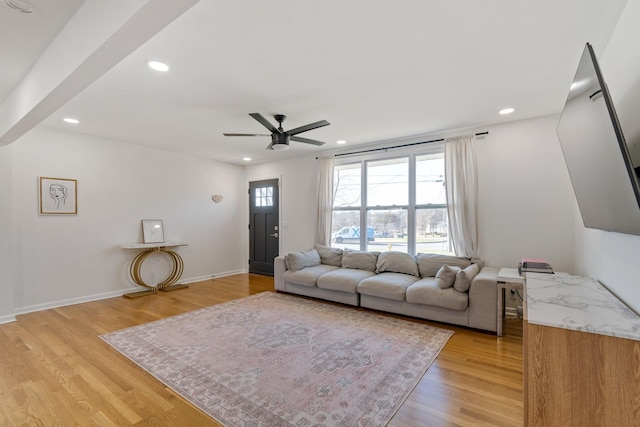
x=483, y=300
x=279, y=267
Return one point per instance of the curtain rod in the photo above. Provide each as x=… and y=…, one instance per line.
x=398, y=146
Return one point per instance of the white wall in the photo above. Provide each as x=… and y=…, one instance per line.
x=6, y=240
x=64, y=258
x=517, y=219
x=612, y=258
x=297, y=199
x=526, y=199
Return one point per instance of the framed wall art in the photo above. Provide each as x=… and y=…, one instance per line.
x=58, y=196
x=152, y=231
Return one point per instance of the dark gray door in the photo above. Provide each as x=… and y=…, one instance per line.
x=263, y=226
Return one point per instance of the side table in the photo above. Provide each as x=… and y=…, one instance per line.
x=136, y=265
x=508, y=278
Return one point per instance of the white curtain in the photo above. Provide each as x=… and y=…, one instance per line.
x=325, y=201
x=462, y=194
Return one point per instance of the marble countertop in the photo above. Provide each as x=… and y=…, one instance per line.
x=580, y=304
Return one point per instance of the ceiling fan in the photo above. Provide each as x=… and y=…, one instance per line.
x=279, y=137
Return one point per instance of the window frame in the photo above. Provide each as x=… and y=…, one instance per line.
x=411, y=208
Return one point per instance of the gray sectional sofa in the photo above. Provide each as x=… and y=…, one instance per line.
x=435, y=287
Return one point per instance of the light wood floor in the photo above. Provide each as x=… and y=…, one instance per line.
x=56, y=371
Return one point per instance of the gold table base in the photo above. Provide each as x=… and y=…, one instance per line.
x=167, y=285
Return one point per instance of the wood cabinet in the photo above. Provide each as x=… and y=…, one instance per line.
x=581, y=355
x=581, y=379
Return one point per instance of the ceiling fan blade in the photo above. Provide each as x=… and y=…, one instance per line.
x=270, y=146
x=306, y=140
x=310, y=126
x=245, y=134
x=264, y=122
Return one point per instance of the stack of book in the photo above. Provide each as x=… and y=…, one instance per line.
x=534, y=265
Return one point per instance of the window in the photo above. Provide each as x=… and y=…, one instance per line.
x=400, y=201
x=264, y=196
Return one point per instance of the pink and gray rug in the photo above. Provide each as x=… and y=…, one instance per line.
x=279, y=360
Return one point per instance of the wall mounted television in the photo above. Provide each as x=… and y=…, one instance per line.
x=603, y=173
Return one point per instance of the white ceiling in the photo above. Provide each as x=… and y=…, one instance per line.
x=377, y=70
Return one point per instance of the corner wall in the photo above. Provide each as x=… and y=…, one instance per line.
x=72, y=258
x=6, y=240
x=612, y=258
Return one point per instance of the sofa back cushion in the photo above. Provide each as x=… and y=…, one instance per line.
x=300, y=260
x=397, y=262
x=429, y=264
x=360, y=260
x=329, y=256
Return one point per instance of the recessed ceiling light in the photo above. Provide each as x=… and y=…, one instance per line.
x=506, y=111
x=246, y=159
x=341, y=141
x=72, y=121
x=158, y=66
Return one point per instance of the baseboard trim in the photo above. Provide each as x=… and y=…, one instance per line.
x=211, y=276
x=7, y=319
x=97, y=297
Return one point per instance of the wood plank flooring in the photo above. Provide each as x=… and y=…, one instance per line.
x=56, y=371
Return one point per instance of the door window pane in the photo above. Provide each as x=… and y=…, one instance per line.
x=264, y=196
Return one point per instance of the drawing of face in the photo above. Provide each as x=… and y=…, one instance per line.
x=58, y=192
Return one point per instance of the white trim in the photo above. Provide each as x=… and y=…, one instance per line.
x=7, y=319
x=106, y=295
x=212, y=276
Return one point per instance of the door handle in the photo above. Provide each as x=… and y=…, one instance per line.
x=274, y=235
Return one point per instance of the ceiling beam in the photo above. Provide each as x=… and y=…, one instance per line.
x=94, y=40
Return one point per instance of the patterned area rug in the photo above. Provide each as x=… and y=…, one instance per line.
x=279, y=360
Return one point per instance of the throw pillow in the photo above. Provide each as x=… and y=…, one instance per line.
x=287, y=263
x=329, y=256
x=464, y=278
x=429, y=264
x=360, y=260
x=397, y=262
x=446, y=276
x=300, y=260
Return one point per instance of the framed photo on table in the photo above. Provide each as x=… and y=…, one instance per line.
x=152, y=231
x=58, y=196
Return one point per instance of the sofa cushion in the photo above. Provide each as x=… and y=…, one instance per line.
x=387, y=285
x=360, y=260
x=307, y=276
x=302, y=260
x=429, y=264
x=343, y=279
x=397, y=262
x=446, y=276
x=329, y=255
x=426, y=291
x=464, y=278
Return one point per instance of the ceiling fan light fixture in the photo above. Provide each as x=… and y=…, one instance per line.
x=280, y=147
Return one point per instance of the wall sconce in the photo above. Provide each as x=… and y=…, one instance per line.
x=217, y=198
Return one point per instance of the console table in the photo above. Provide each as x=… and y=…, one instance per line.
x=581, y=354
x=147, y=249
x=508, y=278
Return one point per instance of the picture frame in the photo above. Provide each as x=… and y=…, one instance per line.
x=58, y=196
x=152, y=231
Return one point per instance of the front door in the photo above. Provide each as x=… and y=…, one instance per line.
x=263, y=226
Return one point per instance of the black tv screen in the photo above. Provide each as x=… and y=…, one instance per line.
x=603, y=174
